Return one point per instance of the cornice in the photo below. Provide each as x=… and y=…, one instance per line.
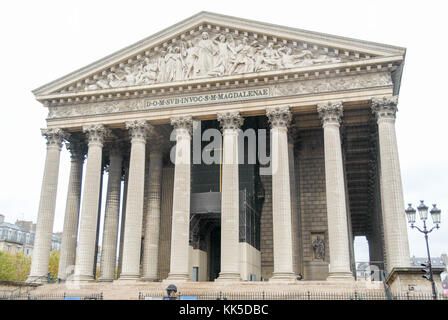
x=380, y=64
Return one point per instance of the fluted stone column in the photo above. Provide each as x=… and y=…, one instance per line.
x=47, y=204
x=151, y=243
x=85, y=254
x=230, y=253
x=295, y=221
x=78, y=150
x=330, y=115
x=395, y=229
x=112, y=212
x=280, y=118
x=138, y=131
x=125, y=179
x=179, y=266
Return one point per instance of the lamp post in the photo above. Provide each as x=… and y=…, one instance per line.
x=423, y=213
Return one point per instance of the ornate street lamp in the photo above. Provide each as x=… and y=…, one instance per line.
x=423, y=213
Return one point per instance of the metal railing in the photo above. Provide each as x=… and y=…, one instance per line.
x=356, y=295
x=45, y=296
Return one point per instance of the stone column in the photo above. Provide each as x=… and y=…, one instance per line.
x=230, y=210
x=280, y=118
x=295, y=221
x=112, y=212
x=330, y=115
x=78, y=150
x=47, y=204
x=394, y=220
x=125, y=179
x=138, y=131
x=85, y=254
x=181, y=200
x=151, y=243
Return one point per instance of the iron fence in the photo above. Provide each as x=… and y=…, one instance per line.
x=291, y=296
x=6, y=295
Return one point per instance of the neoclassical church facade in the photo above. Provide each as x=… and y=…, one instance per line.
x=235, y=150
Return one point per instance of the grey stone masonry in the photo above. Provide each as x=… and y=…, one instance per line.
x=138, y=131
x=125, y=179
x=179, y=263
x=166, y=209
x=330, y=115
x=295, y=223
x=394, y=220
x=152, y=229
x=111, y=217
x=266, y=236
x=230, y=254
x=280, y=118
x=47, y=204
x=310, y=166
x=85, y=254
x=78, y=150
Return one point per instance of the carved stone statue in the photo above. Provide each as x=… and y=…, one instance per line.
x=190, y=54
x=319, y=248
x=173, y=65
x=206, y=55
x=224, y=52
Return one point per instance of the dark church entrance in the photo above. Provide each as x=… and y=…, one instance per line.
x=205, y=204
x=215, y=253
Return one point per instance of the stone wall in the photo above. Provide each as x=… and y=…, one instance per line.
x=165, y=222
x=266, y=235
x=312, y=201
x=250, y=261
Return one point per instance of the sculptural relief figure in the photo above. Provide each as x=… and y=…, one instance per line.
x=116, y=80
x=190, y=55
x=268, y=59
x=148, y=72
x=205, y=55
x=319, y=248
x=173, y=65
x=243, y=60
x=289, y=60
x=202, y=56
x=224, y=50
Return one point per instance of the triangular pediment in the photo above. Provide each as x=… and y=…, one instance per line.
x=211, y=46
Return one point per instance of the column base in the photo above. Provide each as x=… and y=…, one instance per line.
x=283, y=277
x=133, y=277
x=149, y=279
x=178, y=277
x=340, y=276
x=37, y=279
x=81, y=278
x=228, y=276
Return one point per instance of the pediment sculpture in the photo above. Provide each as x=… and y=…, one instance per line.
x=212, y=54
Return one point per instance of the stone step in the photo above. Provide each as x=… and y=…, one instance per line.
x=126, y=290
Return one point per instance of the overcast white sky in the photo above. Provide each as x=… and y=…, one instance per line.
x=44, y=40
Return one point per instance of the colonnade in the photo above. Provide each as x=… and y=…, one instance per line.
x=78, y=250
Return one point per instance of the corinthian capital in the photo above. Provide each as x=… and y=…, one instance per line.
x=138, y=130
x=54, y=136
x=77, y=148
x=279, y=117
x=96, y=133
x=385, y=107
x=330, y=113
x=182, y=123
x=230, y=120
